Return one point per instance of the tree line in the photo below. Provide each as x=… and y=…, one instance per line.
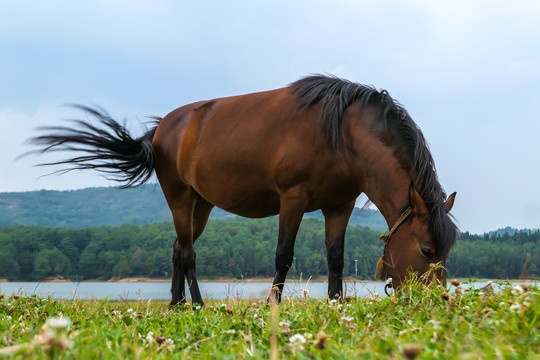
x=235, y=248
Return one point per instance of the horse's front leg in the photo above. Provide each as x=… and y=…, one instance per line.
x=290, y=216
x=336, y=221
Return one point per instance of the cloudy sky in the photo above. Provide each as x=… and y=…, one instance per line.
x=467, y=71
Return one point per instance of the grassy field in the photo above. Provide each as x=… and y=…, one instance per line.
x=427, y=323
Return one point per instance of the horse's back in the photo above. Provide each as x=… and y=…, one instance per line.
x=240, y=153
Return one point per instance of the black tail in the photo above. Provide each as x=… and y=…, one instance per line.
x=108, y=148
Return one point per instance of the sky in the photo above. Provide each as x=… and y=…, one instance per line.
x=468, y=72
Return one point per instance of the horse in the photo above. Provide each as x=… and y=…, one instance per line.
x=317, y=143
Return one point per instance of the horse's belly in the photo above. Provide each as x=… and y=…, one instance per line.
x=246, y=203
x=257, y=206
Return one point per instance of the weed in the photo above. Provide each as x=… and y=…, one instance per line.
x=431, y=322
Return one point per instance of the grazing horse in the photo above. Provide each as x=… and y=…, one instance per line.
x=316, y=144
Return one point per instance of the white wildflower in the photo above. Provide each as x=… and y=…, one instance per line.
x=436, y=324
x=297, y=341
x=517, y=290
x=53, y=334
x=298, y=338
x=150, y=338
x=515, y=307
x=348, y=322
x=389, y=280
x=284, y=325
x=58, y=324
x=131, y=313
x=169, y=344
x=333, y=301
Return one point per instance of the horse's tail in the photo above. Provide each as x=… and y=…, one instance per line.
x=107, y=147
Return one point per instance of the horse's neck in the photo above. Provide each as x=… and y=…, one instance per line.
x=383, y=177
x=390, y=197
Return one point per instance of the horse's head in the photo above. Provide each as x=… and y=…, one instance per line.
x=411, y=246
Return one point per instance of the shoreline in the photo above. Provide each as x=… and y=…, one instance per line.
x=168, y=280
x=321, y=279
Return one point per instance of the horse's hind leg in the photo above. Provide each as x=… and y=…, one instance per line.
x=190, y=217
x=336, y=221
x=178, y=290
x=201, y=214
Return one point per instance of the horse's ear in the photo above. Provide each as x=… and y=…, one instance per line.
x=449, y=204
x=417, y=203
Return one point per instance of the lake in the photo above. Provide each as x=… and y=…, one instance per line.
x=161, y=290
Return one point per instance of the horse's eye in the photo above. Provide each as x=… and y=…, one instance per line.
x=427, y=253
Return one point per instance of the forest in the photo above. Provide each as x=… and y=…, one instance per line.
x=235, y=248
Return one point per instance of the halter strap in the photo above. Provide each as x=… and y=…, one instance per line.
x=379, y=272
x=386, y=237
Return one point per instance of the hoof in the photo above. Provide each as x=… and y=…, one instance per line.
x=183, y=305
x=177, y=305
x=273, y=300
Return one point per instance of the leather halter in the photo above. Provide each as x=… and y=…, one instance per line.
x=386, y=237
x=379, y=272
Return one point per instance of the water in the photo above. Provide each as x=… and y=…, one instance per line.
x=209, y=290
x=161, y=290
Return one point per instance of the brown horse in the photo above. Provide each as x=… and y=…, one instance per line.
x=316, y=144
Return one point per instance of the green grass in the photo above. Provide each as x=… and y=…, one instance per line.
x=439, y=325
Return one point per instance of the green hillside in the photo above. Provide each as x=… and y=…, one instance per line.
x=113, y=206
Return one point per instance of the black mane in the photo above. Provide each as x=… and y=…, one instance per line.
x=336, y=95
